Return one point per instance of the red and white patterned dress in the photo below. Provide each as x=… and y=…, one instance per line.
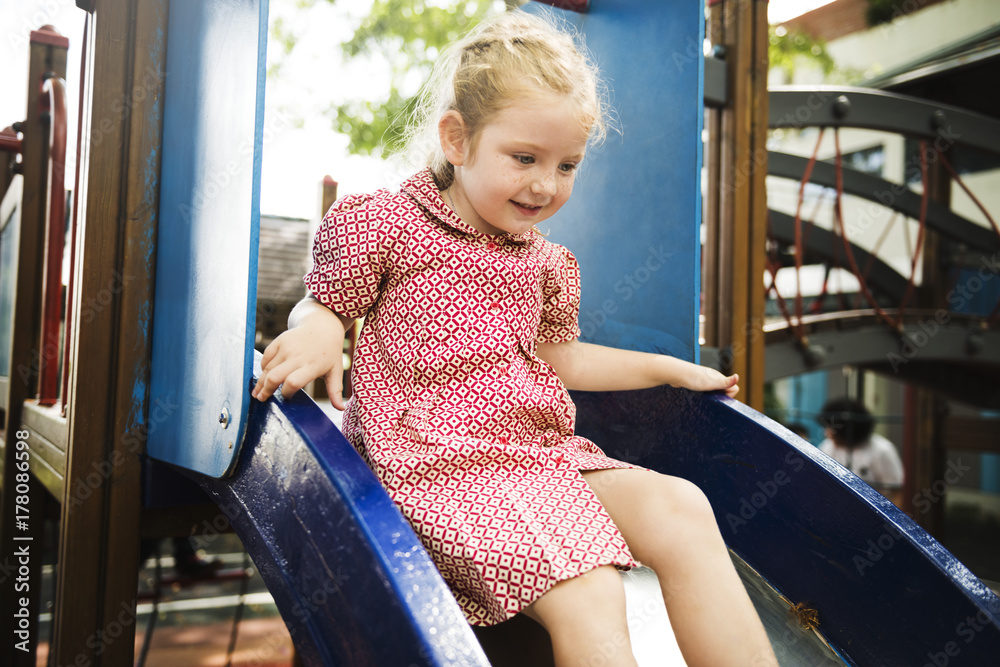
x=469, y=431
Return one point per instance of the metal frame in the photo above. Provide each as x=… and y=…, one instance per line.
x=890, y=195
x=831, y=106
x=860, y=337
x=823, y=243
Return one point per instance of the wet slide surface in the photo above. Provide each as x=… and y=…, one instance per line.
x=355, y=587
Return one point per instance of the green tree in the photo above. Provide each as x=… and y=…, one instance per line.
x=788, y=48
x=409, y=35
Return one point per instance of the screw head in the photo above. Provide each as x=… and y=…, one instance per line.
x=224, y=417
x=841, y=106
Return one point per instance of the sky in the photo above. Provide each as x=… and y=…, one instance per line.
x=301, y=145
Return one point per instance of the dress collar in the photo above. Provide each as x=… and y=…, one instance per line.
x=423, y=189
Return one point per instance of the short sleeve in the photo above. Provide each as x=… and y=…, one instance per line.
x=560, y=298
x=350, y=253
x=887, y=464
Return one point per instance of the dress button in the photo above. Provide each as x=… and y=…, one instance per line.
x=502, y=440
x=491, y=245
x=558, y=457
x=495, y=306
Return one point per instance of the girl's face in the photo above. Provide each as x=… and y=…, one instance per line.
x=521, y=169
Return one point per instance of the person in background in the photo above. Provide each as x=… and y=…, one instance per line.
x=852, y=442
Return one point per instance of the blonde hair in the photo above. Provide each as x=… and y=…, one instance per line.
x=501, y=60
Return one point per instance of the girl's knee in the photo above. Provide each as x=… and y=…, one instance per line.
x=684, y=499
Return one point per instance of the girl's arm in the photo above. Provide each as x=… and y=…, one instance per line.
x=311, y=348
x=590, y=367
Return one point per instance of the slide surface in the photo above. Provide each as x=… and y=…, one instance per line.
x=355, y=586
x=350, y=578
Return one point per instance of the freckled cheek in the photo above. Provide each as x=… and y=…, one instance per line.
x=565, y=190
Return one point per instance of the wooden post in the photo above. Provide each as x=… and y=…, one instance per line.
x=736, y=209
x=328, y=195
x=925, y=412
x=94, y=615
x=47, y=53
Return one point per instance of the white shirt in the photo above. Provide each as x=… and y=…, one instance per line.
x=875, y=461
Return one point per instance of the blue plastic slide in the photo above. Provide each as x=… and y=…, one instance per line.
x=355, y=587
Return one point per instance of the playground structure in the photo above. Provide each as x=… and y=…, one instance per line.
x=146, y=361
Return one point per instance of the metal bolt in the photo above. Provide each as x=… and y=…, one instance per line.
x=974, y=344
x=814, y=355
x=939, y=119
x=841, y=106
x=224, y=417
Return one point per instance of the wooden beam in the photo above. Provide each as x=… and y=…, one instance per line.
x=925, y=409
x=47, y=53
x=94, y=618
x=978, y=435
x=736, y=208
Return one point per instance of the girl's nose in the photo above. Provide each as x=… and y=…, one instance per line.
x=545, y=184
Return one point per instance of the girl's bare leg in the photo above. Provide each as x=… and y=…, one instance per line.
x=669, y=526
x=585, y=619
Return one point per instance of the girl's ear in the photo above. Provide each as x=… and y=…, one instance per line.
x=451, y=131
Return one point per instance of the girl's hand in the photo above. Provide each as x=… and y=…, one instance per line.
x=709, y=379
x=312, y=349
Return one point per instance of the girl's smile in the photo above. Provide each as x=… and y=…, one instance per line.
x=520, y=169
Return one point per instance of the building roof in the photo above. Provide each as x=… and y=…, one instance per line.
x=283, y=259
x=844, y=17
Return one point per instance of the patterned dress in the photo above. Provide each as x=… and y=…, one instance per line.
x=469, y=431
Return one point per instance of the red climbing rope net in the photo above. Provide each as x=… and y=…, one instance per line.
x=892, y=317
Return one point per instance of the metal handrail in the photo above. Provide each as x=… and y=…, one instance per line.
x=54, y=105
x=9, y=143
x=828, y=106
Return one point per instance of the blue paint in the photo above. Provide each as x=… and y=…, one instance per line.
x=314, y=518
x=350, y=578
x=973, y=292
x=10, y=224
x=634, y=219
x=808, y=394
x=989, y=473
x=203, y=324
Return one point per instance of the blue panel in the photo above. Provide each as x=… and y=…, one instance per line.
x=206, y=264
x=887, y=593
x=350, y=578
x=10, y=230
x=634, y=218
x=973, y=292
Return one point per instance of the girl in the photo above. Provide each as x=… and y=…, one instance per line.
x=468, y=348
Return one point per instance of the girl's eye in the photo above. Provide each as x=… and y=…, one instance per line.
x=568, y=166
x=524, y=159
